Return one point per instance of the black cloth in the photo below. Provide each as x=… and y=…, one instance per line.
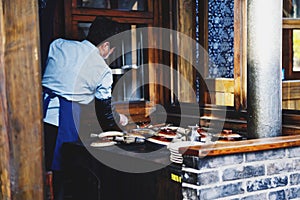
x=107, y=115
x=50, y=135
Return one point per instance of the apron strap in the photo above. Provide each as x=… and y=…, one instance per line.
x=46, y=100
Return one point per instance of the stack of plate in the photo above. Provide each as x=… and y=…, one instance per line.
x=176, y=156
x=105, y=139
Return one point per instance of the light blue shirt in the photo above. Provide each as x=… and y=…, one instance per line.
x=76, y=71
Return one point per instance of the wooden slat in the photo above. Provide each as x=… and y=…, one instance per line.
x=291, y=90
x=242, y=146
x=290, y=130
x=225, y=85
x=288, y=104
x=290, y=23
x=221, y=91
x=112, y=13
x=138, y=108
x=291, y=83
x=90, y=18
x=221, y=98
x=22, y=89
x=224, y=99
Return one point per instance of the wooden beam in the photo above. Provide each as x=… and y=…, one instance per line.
x=21, y=168
x=4, y=145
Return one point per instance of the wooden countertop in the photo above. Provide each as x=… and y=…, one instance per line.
x=252, y=145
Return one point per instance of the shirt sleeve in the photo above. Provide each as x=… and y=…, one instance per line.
x=103, y=91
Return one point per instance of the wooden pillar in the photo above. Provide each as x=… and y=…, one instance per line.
x=186, y=24
x=5, y=182
x=159, y=94
x=264, y=32
x=21, y=149
x=240, y=54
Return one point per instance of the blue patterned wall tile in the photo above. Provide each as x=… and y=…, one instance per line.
x=220, y=38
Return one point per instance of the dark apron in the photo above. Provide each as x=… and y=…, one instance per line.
x=69, y=118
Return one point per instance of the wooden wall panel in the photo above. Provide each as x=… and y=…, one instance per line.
x=21, y=166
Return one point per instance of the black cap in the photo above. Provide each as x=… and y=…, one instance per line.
x=101, y=29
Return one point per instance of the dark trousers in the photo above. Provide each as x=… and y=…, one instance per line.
x=50, y=135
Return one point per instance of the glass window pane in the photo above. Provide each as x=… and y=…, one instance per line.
x=296, y=50
x=291, y=8
x=139, y=5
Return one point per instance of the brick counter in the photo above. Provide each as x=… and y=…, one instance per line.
x=263, y=174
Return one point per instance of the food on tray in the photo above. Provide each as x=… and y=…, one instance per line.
x=228, y=135
x=200, y=130
x=142, y=131
x=142, y=124
x=203, y=133
x=135, y=135
x=167, y=132
x=226, y=131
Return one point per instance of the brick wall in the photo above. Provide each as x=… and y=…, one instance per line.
x=263, y=175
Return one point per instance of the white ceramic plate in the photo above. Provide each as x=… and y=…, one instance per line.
x=134, y=135
x=110, y=134
x=230, y=135
x=153, y=140
x=176, y=157
x=103, y=144
x=176, y=145
x=166, y=135
x=176, y=160
x=173, y=151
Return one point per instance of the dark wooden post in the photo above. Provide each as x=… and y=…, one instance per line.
x=21, y=146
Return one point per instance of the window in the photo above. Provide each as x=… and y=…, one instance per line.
x=291, y=39
x=212, y=27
